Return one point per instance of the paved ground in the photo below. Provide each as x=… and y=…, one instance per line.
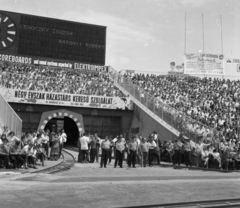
x=47, y=164
x=87, y=185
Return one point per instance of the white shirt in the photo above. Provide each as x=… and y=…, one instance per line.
x=114, y=140
x=64, y=137
x=152, y=145
x=84, y=142
x=45, y=139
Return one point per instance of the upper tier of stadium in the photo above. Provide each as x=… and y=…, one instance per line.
x=210, y=101
x=38, y=78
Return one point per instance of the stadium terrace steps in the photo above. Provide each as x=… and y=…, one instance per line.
x=145, y=109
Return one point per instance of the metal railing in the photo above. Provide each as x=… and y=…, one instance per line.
x=176, y=119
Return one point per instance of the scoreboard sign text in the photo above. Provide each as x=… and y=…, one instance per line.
x=28, y=35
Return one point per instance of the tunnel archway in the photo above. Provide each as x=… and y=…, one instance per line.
x=71, y=122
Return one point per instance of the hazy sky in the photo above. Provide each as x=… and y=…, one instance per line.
x=148, y=34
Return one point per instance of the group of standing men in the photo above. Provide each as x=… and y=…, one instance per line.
x=138, y=150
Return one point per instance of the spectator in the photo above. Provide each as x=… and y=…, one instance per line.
x=105, y=146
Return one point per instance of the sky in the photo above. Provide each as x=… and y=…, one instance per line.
x=147, y=35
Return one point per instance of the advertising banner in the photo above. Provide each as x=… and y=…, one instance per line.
x=49, y=62
x=61, y=99
x=204, y=64
x=232, y=61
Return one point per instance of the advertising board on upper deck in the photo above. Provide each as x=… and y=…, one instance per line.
x=200, y=63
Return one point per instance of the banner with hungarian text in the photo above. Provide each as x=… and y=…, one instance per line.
x=198, y=63
x=61, y=99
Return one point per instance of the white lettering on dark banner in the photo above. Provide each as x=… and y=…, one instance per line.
x=69, y=42
x=15, y=59
x=45, y=29
x=51, y=98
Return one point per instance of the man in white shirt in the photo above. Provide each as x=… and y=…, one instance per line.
x=152, y=146
x=83, y=142
x=63, y=139
x=99, y=141
x=45, y=141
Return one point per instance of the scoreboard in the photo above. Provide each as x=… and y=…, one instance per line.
x=28, y=35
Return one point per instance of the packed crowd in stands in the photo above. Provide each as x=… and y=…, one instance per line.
x=25, y=152
x=142, y=151
x=209, y=101
x=60, y=80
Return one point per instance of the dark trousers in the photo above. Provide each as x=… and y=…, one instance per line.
x=156, y=155
x=228, y=162
x=79, y=155
x=110, y=155
x=5, y=159
x=46, y=148
x=40, y=156
x=60, y=149
x=187, y=158
x=104, y=157
x=97, y=154
x=177, y=157
x=144, y=158
x=93, y=154
x=150, y=156
x=31, y=160
x=17, y=160
x=237, y=164
x=84, y=155
x=119, y=158
x=132, y=159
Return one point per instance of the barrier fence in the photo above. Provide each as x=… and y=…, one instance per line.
x=9, y=117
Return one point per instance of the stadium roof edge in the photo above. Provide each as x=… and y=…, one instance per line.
x=53, y=18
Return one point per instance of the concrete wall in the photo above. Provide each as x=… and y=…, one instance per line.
x=126, y=116
x=9, y=117
x=147, y=125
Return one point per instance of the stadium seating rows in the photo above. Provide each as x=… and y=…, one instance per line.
x=58, y=80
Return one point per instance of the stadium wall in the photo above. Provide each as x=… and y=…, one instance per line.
x=35, y=111
x=146, y=125
x=9, y=117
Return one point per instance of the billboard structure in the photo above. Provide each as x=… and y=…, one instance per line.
x=64, y=99
x=204, y=64
x=24, y=35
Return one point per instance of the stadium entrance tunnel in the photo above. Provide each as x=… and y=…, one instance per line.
x=71, y=122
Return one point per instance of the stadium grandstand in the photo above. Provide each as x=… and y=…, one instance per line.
x=55, y=87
